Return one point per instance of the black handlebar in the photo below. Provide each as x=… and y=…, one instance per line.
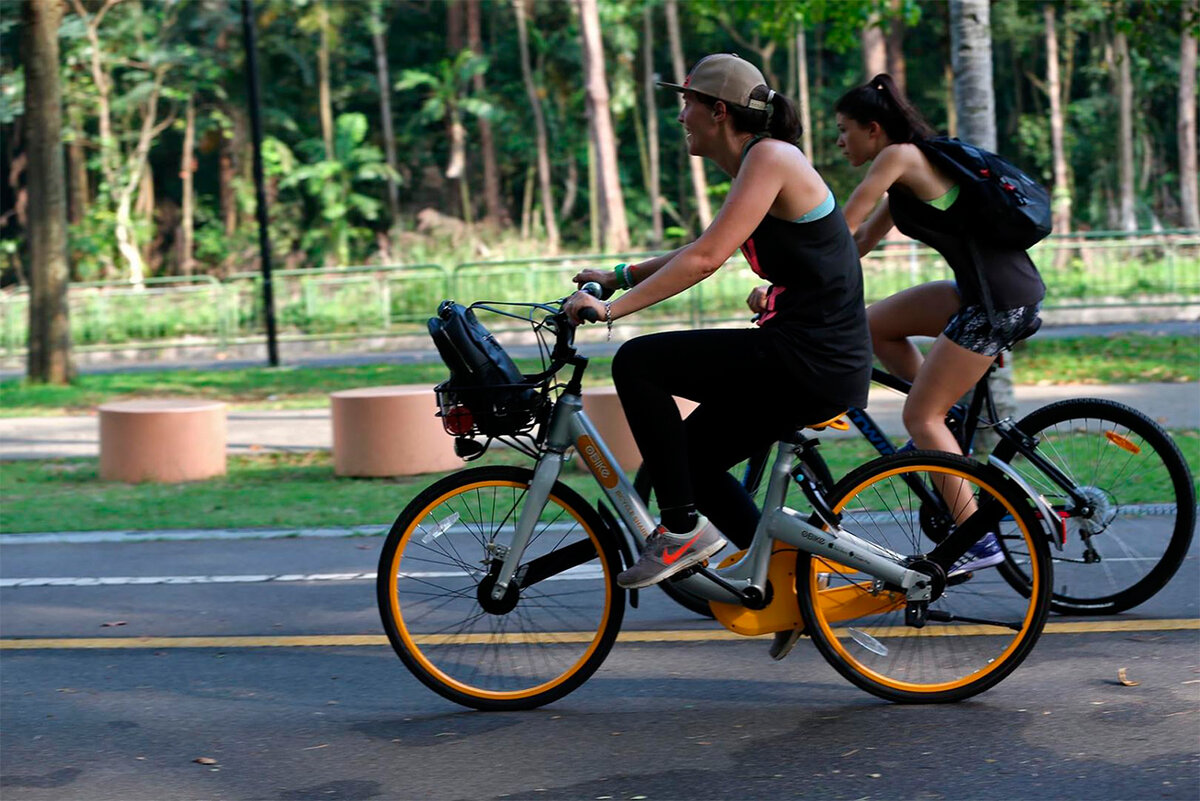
x=590, y=314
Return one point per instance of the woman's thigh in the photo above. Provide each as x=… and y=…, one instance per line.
x=918, y=311
x=949, y=371
x=702, y=366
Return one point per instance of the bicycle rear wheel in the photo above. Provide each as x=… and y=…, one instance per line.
x=979, y=627
x=545, y=637
x=1143, y=503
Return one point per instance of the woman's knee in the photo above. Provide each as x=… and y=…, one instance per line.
x=629, y=361
x=922, y=418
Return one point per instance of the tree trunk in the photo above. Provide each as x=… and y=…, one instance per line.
x=975, y=101
x=874, y=48
x=187, y=175
x=226, y=175
x=1188, y=196
x=1062, y=186
x=143, y=209
x=324, y=97
x=383, y=77
x=570, y=188
x=77, y=169
x=802, y=82
x=1127, y=216
x=454, y=27
x=49, y=359
x=108, y=145
x=123, y=224
x=653, y=179
x=896, y=65
x=496, y=211
x=614, y=229
x=527, y=202
x=699, y=181
x=539, y=121
x=593, y=196
x=951, y=106
x=971, y=60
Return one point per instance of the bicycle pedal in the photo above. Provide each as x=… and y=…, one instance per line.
x=690, y=571
x=961, y=578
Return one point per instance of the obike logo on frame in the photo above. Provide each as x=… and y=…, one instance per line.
x=596, y=462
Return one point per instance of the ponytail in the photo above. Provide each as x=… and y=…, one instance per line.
x=880, y=100
x=779, y=120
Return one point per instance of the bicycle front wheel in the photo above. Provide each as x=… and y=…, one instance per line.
x=1140, y=503
x=548, y=633
x=978, y=627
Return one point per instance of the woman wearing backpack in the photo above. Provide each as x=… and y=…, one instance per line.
x=808, y=359
x=903, y=188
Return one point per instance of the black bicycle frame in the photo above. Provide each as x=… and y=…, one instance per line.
x=968, y=419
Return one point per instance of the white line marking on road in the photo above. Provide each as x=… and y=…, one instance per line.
x=583, y=572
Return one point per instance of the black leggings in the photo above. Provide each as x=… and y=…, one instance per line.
x=746, y=402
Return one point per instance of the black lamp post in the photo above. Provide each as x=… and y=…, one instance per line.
x=260, y=192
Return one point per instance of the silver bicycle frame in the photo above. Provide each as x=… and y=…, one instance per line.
x=570, y=426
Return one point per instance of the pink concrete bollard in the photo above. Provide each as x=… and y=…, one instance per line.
x=389, y=431
x=167, y=441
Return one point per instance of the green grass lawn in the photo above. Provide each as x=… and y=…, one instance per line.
x=1119, y=359
x=270, y=491
x=280, y=491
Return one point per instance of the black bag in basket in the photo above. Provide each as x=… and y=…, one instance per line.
x=482, y=376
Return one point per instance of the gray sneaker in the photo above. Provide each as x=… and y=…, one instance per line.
x=666, y=553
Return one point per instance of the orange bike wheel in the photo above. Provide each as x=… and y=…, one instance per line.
x=978, y=629
x=538, y=642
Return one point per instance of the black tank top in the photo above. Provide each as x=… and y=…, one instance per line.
x=815, y=314
x=1012, y=279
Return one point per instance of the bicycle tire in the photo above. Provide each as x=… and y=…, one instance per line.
x=979, y=629
x=432, y=590
x=1149, y=494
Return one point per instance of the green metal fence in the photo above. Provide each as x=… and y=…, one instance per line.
x=1096, y=269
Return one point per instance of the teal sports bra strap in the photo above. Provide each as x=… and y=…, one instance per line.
x=757, y=138
x=824, y=209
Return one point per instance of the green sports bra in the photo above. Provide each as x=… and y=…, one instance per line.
x=945, y=201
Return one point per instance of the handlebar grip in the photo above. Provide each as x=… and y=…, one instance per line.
x=590, y=314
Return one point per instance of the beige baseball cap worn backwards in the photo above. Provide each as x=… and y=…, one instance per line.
x=725, y=76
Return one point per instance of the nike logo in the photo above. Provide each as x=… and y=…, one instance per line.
x=669, y=558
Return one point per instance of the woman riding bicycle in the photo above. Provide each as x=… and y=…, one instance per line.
x=808, y=359
x=902, y=188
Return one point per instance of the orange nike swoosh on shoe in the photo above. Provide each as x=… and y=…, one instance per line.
x=669, y=558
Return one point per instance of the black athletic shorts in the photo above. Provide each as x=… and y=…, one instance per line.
x=971, y=328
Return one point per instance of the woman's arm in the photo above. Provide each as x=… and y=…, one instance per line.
x=874, y=229
x=640, y=271
x=757, y=185
x=889, y=166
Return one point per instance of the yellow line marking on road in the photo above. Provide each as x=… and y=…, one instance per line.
x=356, y=640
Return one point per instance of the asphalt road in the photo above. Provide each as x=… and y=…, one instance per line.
x=700, y=717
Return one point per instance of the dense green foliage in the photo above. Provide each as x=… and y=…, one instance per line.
x=328, y=190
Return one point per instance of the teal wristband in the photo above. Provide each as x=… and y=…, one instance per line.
x=622, y=280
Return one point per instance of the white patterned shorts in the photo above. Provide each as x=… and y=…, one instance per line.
x=971, y=328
